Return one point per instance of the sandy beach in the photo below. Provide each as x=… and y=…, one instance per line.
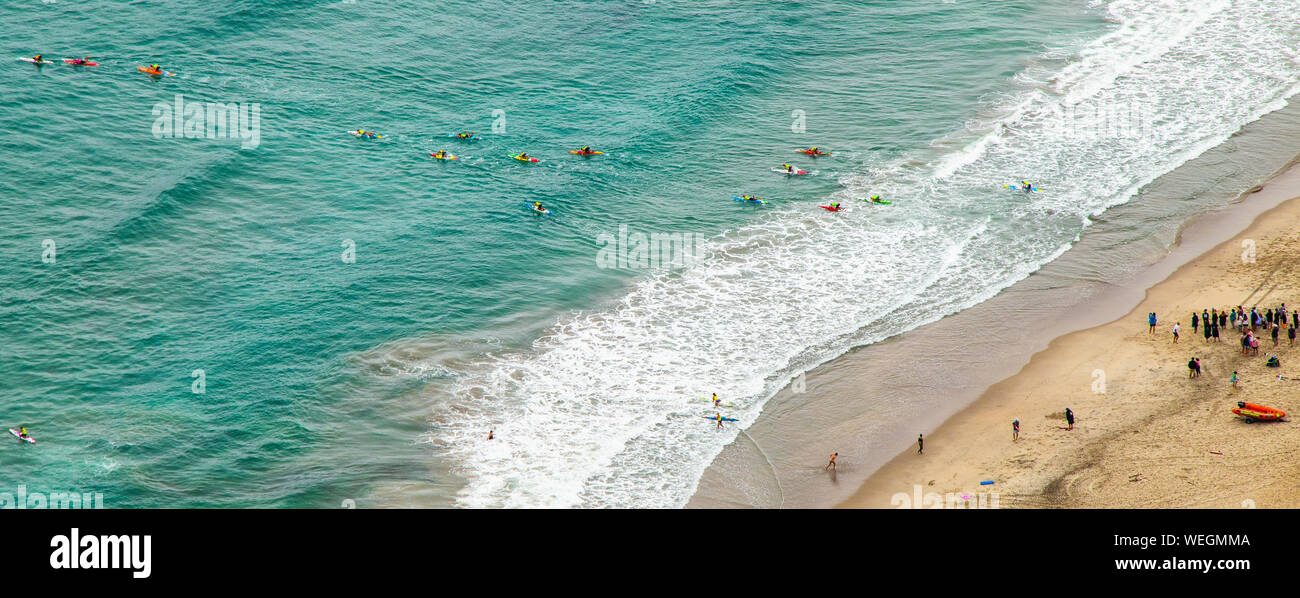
x=1145, y=436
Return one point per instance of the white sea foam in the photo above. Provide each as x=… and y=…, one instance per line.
x=599, y=412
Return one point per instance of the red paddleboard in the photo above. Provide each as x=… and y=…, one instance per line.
x=810, y=153
x=830, y=208
x=74, y=62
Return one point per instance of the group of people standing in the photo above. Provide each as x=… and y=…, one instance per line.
x=1247, y=323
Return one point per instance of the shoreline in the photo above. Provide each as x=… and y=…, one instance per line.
x=1140, y=396
x=869, y=403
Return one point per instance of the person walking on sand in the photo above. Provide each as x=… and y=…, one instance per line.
x=1151, y=321
x=718, y=416
x=1191, y=368
x=1175, y=330
x=1015, y=430
x=920, y=443
x=831, y=464
x=1234, y=378
x=1069, y=418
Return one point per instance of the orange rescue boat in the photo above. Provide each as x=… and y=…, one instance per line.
x=1253, y=412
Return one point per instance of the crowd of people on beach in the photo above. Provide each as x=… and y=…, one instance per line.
x=1271, y=321
x=1250, y=325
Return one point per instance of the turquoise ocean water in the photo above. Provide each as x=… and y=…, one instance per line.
x=377, y=380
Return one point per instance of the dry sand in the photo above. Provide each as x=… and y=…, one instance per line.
x=1145, y=436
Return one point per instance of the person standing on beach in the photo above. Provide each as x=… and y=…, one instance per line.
x=1195, y=320
x=1175, y=330
x=920, y=443
x=1234, y=378
x=1274, y=333
x=1206, y=330
x=1290, y=335
x=1069, y=418
x=831, y=464
x=1015, y=430
x=1151, y=321
x=1191, y=368
x=1216, y=332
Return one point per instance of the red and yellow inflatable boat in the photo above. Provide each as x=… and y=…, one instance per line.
x=1253, y=412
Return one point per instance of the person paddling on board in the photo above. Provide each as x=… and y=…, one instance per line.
x=81, y=61
x=1026, y=187
x=465, y=135
x=39, y=58
x=537, y=207
x=586, y=149
x=22, y=432
x=835, y=207
x=523, y=156
x=718, y=417
x=788, y=168
x=440, y=154
x=876, y=199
